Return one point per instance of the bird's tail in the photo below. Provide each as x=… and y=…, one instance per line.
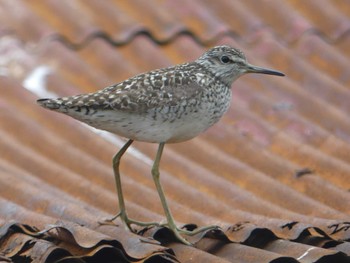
x=51, y=104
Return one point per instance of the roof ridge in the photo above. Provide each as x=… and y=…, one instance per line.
x=246, y=40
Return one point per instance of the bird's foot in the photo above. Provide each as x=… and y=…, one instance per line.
x=198, y=230
x=178, y=231
x=175, y=229
x=127, y=222
x=109, y=221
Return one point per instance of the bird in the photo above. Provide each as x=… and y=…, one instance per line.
x=167, y=105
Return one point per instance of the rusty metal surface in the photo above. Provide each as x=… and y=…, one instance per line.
x=274, y=173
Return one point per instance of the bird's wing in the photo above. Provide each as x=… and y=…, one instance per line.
x=168, y=86
x=151, y=90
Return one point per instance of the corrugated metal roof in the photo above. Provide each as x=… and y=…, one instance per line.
x=274, y=172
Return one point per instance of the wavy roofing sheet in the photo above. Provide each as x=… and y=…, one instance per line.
x=274, y=173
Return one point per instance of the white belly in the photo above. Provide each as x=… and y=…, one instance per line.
x=165, y=124
x=157, y=125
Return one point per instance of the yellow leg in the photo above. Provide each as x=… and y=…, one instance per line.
x=170, y=219
x=122, y=211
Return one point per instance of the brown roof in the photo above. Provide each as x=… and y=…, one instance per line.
x=274, y=172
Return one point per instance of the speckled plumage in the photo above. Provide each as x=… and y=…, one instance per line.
x=165, y=105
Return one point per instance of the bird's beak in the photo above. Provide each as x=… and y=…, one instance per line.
x=255, y=69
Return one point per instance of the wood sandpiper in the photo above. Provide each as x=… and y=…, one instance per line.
x=162, y=106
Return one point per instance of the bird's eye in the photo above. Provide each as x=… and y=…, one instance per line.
x=225, y=59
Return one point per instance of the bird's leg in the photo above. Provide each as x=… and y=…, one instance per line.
x=170, y=219
x=122, y=211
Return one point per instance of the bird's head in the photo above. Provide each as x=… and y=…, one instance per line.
x=228, y=64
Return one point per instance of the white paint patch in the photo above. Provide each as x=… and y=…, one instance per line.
x=110, y=137
x=306, y=252
x=3, y=71
x=35, y=82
